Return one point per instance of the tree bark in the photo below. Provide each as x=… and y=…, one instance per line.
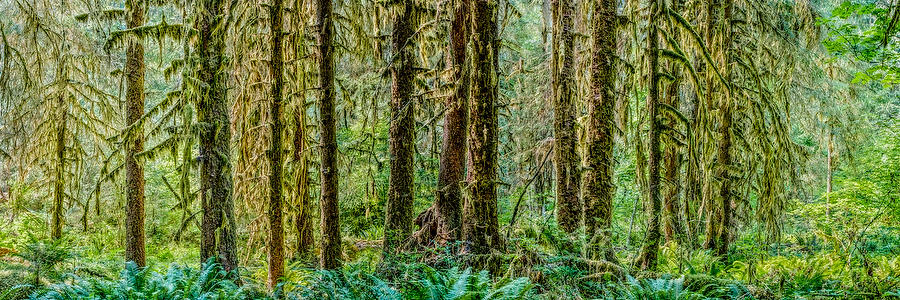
x=673, y=219
x=648, y=257
x=59, y=192
x=723, y=153
x=398, y=211
x=480, y=224
x=134, y=169
x=303, y=217
x=331, y=230
x=830, y=166
x=568, y=205
x=276, y=162
x=448, y=198
x=598, y=178
x=713, y=208
x=218, y=223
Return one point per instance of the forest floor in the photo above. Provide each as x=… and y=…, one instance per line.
x=542, y=264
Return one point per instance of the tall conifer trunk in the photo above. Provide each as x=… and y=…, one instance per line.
x=480, y=228
x=673, y=218
x=303, y=214
x=448, y=200
x=719, y=226
x=276, y=163
x=598, y=178
x=830, y=166
x=568, y=205
x=295, y=47
x=218, y=223
x=59, y=193
x=648, y=257
x=398, y=213
x=331, y=230
x=134, y=169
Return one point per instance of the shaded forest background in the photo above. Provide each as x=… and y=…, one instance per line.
x=569, y=148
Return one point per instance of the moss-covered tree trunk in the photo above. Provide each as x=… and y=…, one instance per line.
x=331, y=230
x=59, y=192
x=719, y=226
x=598, y=178
x=648, y=257
x=303, y=208
x=398, y=211
x=713, y=212
x=134, y=169
x=725, y=137
x=480, y=224
x=448, y=200
x=218, y=223
x=568, y=204
x=673, y=218
x=302, y=218
x=276, y=163
x=829, y=164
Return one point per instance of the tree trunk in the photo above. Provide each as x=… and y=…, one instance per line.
x=713, y=211
x=568, y=205
x=673, y=218
x=448, y=200
x=187, y=197
x=398, y=211
x=674, y=222
x=723, y=155
x=303, y=218
x=218, y=225
x=648, y=256
x=480, y=228
x=331, y=230
x=59, y=193
x=276, y=163
x=830, y=166
x=598, y=179
x=134, y=169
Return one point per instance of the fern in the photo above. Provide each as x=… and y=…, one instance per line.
x=210, y=282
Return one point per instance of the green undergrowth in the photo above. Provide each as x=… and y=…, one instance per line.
x=541, y=263
x=45, y=271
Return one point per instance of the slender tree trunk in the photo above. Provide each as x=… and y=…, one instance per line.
x=713, y=209
x=303, y=218
x=480, y=228
x=218, y=224
x=398, y=213
x=187, y=116
x=673, y=218
x=276, y=162
x=134, y=169
x=598, y=179
x=568, y=204
x=59, y=193
x=331, y=230
x=84, y=215
x=723, y=155
x=648, y=256
x=303, y=209
x=448, y=200
x=830, y=166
